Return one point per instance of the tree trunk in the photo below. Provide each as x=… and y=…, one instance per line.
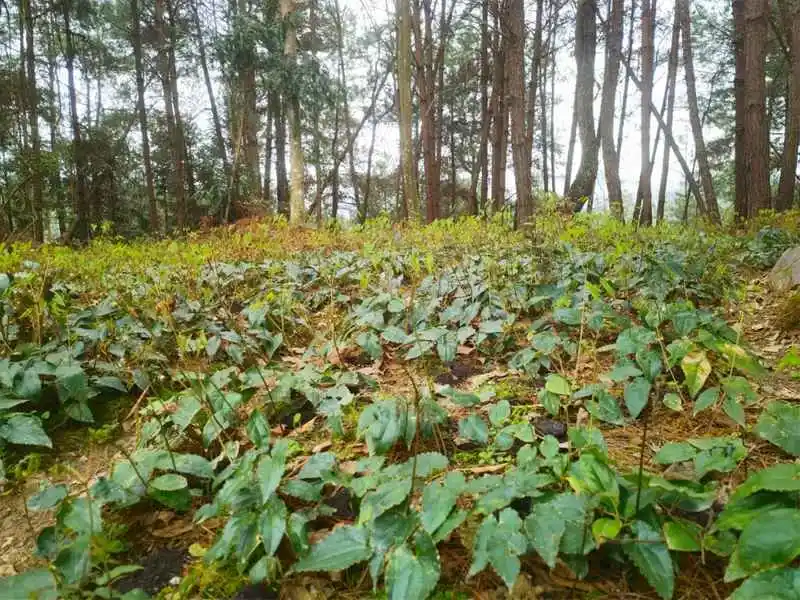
x=409, y=181
x=136, y=33
x=281, y=180
x=607, y=105
x=32, y=104
x=573, y=136
x=481, y=172
x=644, y=195
x=499, y=117
x=672, y=78
x=710, y=196
x=786, y=187
x=582, y=187
x=182, y=212
x=754, y=144
x=514, y=33
x=219, y=139
x=533, y=85
x=740, y=193
x=626, y=86
x=292, y=110
x=266, y=188
x=81, y=228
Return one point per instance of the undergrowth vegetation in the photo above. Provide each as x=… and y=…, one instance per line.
x=382, y=400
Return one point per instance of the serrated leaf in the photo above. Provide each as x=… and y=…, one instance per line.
x=777, y=584
x=499, y=542
x=395, y=335
x=386, y=496
x=592, y=475
x=673, y=401
x=771, y=541
x=499, y=413
x=438, y=500
x=779, y=424
x=272, y=524
x=548, y=522
x=48, y=498
x=474, y=428
x=111, y=383
x=624, y=372
x=413, y=575
x=24, y=429
x=675, y=452
x=343, y=548
x=370, y=343
x=683, y=536
x=606, y=529
x=606, y=408
x=637, y=393
x=732, y=408
x=779, y=478
x=556, y=384
x=705, y=400
x=652, y=558
x=696, y=369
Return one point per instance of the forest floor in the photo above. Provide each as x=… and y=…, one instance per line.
x=456, y=331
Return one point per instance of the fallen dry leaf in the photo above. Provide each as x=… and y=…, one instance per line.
x=321, y=447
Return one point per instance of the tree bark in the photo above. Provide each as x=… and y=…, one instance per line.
x=408, y=172
x=786, y=187
x=710, y=196
x=644, y=195
x=499, y=115
x=292, y=109
x=607, y=105
x=672, y=77
x=481, y=171
x=281, y=180
x=514, y=32
x=32, y=104
x=626, y=86
x=582, y=188
x=753, y=145
x=81, y=229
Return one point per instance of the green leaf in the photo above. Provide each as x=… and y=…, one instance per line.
x=111, y=383
x=474, y=428
x=48, y=498
x=683, y=535
x=636, y=394
x=188, y=407
x=652, y=558
x=606, y=529
x=624, y=372
x=413, y=575
x=778, y=478
x=499, y=542
x=74, y=561
x=499, y=413
x=675, y=452
x=388, y=495
x=24, y=429
x=318, y=466
x=723, y=457
x=270, y=472
x=342, y=548
x=272, y=524
x=395, y=335
x=673, y=401
x=551, y=402
x=696, y=369
x=705, y=400
x=30, y=386
x=773, y=540
x=547, y=524
x=590, y=474
x=213, y=346
x=777, y=584
x=169, y=483
x=438, y=500
x=606, y=408
x=36, y=583
x=779, y=424
x=556, y=384
x=634, y=339
x=370, y=343
x=734, y=410
x=72, y=384
x=549, y=447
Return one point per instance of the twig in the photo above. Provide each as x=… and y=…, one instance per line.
x=137, y=403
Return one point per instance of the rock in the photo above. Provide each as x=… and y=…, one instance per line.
x=786, y=273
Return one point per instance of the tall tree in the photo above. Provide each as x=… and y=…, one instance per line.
x=790, y=14
x=607, y=105
x=141, y=109
x=499, y=109
x=710, y=197
x=752, y=146
x=292, y=108
x=408, y=169
x=514, y=31
x=32, y=104
x=669, y=103
x=644, y=195
x=582, y=188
